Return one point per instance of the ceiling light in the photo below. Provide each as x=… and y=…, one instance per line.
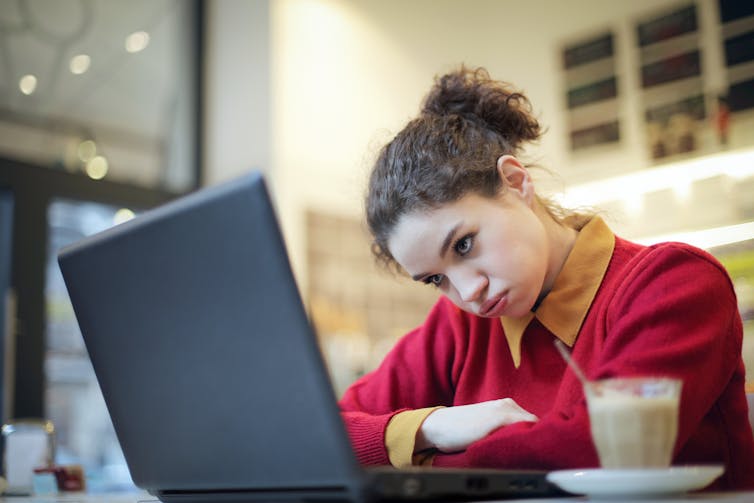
x=79, y=64
x=682, y=191
x=137, y=41
x=96, y=168
x=707, y=238
x=27, y=84
x=87, y=150
x=737, y=165
x=633, y=203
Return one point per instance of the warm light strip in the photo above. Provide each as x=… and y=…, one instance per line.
x=737, y=165
x=708, y=238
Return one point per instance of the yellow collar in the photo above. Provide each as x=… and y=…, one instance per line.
x=563, y=310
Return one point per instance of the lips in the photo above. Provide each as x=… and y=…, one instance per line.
x=494, y=307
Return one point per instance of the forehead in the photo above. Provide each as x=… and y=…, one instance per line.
x=469, y=206
x=419, y=235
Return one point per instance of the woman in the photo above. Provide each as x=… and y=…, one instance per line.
x=480, y=383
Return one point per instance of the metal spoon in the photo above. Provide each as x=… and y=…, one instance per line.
x=571, y=363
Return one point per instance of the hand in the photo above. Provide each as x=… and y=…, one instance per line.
x=453, y=429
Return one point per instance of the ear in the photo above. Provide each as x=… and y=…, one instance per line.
x=516, y=177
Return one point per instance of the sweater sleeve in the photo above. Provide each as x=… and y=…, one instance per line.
x=417, y=373
x=400, y=436
x=674, y=313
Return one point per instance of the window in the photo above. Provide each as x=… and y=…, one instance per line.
x=102, y=88
x=73, y=400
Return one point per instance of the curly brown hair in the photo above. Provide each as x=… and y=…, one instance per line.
x=467, y=121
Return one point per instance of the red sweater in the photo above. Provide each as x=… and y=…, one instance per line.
x=668, y=310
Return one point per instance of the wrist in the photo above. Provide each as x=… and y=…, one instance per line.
x=421, y=443
x=424, y=437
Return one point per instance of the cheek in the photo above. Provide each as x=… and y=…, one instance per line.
x=525, y=264
x=533, y=272
x=448, y=291
x=532, y=269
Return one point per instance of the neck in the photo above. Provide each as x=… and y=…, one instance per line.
x=561, y=240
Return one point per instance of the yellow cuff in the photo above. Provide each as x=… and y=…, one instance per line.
x=400, y=435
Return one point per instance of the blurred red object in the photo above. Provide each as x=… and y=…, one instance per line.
x=68, y=477
x=71, y=478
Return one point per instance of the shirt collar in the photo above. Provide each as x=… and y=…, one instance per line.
x=563, y=310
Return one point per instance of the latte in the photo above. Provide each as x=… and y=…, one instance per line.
x=634, y=423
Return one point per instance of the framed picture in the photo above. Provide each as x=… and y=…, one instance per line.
x=591, y=93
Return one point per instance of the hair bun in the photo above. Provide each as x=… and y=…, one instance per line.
x=495, y=105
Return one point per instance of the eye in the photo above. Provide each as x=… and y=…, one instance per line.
x=464, y=245
x=435, y=279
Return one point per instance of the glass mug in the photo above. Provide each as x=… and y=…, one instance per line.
x=27, y=444
x=634, y=420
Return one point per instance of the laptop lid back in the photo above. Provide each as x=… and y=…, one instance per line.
x=204, y=353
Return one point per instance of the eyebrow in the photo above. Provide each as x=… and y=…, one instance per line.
x=443, y=249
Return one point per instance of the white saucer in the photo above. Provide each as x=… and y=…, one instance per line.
x=635, y=482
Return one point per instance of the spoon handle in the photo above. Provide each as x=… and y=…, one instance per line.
x=571, y=363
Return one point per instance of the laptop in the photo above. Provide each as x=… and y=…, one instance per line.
x=211, y=371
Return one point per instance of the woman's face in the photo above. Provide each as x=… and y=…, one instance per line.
x=487, y=255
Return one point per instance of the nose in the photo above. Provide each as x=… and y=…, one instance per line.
x=469, y=284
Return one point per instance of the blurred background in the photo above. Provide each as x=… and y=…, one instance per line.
x=108, y=108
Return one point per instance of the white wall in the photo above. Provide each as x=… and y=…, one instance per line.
x=346, y=74
x=237, y=129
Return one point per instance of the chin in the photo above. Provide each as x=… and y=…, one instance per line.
x=517, y=310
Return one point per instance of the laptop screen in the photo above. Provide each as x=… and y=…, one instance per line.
x=202, y=348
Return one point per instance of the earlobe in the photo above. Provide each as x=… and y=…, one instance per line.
x=515, y=176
